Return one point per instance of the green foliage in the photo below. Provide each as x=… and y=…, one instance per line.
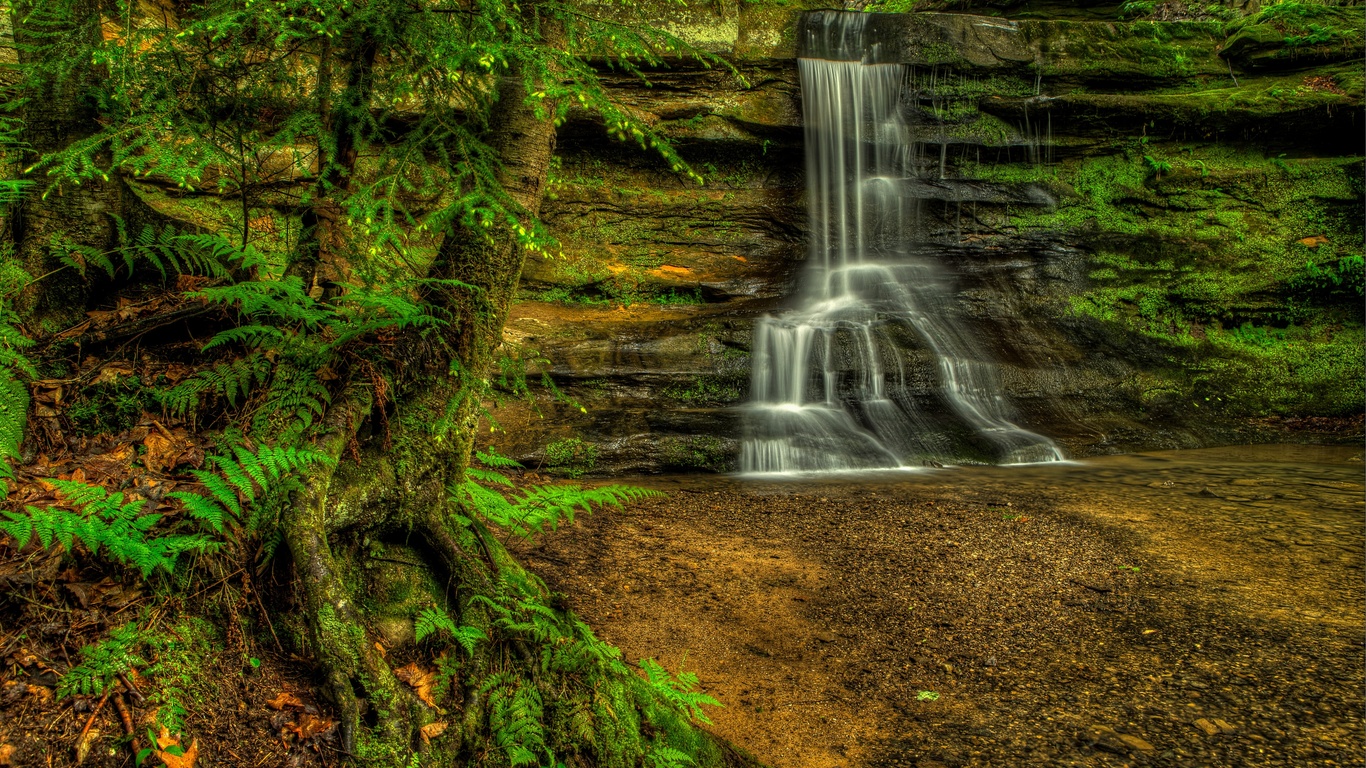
x=227, y=381
x=177, y=668
x=529, y=512
x=242, y=478
x=1345, y=276
x=680, y=692
x=571, y=456
x=167, y=251
x=1158, y=167
x=515, y=712
x=102, y=663
x=109, y=407
x=104, y=522
x=434, y=621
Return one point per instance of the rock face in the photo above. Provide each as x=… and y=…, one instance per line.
x=1156, y=229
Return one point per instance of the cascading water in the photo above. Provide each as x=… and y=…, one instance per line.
x=829, y=387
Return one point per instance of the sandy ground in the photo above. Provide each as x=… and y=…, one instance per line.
x=1197, y=608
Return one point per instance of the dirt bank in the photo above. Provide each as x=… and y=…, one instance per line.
x=1185, y=608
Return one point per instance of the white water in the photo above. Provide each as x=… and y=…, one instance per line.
x=829, y=387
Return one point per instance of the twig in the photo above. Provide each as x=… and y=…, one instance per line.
x=93, y=715
x=1091, y=587
x=1229, y=62
x=216, y=583
x=138, y=698
x=126, y=718
x=256, y=593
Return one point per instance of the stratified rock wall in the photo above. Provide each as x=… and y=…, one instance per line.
x=1155, y=224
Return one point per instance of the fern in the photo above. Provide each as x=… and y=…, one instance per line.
x=241, y=479
x=230, y=381
x=103, y=662
x=532, y=511
x=668, y=757
x=434, y=621
x=515, y=714
x=14, y=399
x=104, y=522
x=492, y=458
x=679, y=692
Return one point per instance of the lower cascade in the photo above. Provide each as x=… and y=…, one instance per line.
x=830, y=381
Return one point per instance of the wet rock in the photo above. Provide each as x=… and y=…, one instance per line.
x=1107, y=739
x=1208, y=727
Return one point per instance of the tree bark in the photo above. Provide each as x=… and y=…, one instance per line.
x=61, y=109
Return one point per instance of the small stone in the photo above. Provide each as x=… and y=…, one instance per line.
x=1209, y=728
x=826, y=637
x=1136, y=743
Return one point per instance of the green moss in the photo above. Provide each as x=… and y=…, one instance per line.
x=697, y=452
x=340, y=636
x=1240, y=265
x=571, y=457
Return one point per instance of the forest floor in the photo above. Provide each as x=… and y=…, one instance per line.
x=1200, y=608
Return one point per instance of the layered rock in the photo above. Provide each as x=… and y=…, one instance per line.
x=1154, y=226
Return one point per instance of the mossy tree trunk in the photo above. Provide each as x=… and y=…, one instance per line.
x=61, y=110
x=401, y=493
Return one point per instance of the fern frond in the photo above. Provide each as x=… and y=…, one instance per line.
x=492, y=458
x=102, y=663
x=103, y=522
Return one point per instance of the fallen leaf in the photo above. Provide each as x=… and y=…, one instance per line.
x=431, y=731
x=183, y=760
x=421, y=681
x=1314, y=241
x=285, y=699
x=311, y=726
x=82, y=747
x=6, y=754
x=161, y=452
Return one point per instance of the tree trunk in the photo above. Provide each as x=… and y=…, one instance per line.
x=60, y=110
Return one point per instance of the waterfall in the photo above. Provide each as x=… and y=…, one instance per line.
x=829, y=385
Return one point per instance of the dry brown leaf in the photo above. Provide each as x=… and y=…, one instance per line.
x=421, y=681
x=432, y=730
x=6, y=754
x=1313, y=242
x=184, y=760
x=111, y=373
x=161, y=452
x=285, y=699
x=311, y=726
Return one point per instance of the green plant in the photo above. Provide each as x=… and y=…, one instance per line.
x=241, y=479
x=571, y=456
x=102, y=663
x=434, y=621
x=529, y=512
x=104, y=522
x=927, y=696
x=1157, y=167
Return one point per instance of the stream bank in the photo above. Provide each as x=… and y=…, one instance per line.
x=1176, y=608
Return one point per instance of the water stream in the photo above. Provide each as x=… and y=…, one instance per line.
x=830, y=384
